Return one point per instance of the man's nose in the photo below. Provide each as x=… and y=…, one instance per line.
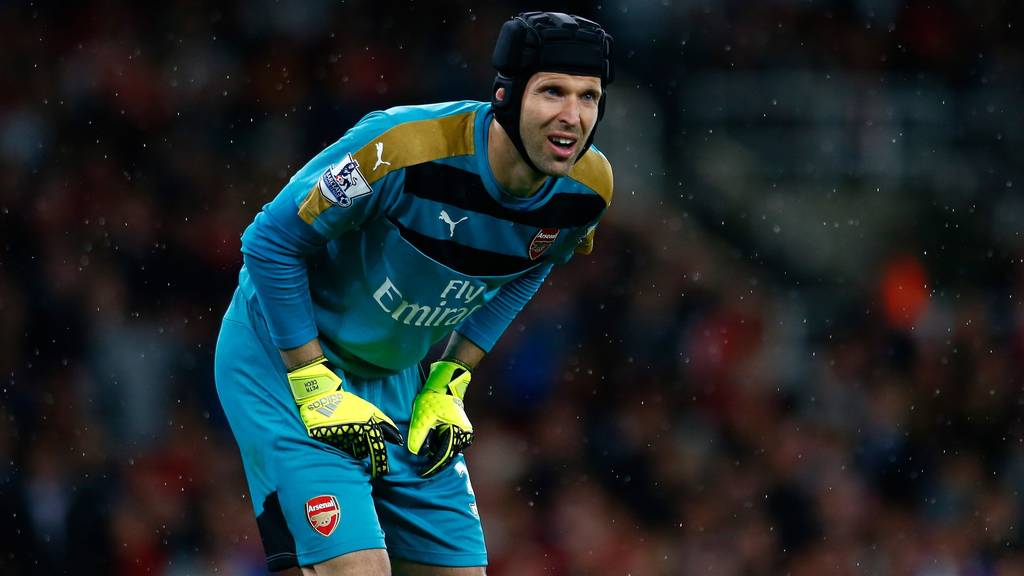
x=570, y=113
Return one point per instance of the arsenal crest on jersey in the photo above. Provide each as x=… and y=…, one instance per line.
x=323, y=514
x=545, y=237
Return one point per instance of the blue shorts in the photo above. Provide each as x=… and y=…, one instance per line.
x=297, y=484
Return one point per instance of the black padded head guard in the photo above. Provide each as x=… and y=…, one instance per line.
x=546, y=42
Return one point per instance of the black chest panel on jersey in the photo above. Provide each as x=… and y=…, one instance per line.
x=464, y=259
x=464, y=190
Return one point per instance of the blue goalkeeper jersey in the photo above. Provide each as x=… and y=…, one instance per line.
x=397, y=234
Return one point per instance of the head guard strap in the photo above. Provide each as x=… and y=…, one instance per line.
x=546, y=42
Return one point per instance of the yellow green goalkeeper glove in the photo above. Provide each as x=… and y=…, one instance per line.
x=339, y=418
x=439, y=428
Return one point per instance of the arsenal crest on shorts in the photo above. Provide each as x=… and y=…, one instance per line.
x=323, y=514
x=545, y=237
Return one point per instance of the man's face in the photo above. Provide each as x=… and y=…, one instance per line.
x=559, y=112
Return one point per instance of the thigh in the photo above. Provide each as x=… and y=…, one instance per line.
x=296, y=571
x=360, y=563
x=431, y=521
x=434, y=521
x=312, y=502
x=405, y=568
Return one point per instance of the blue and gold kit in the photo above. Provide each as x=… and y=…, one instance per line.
x=420, y=239
x=384, y=243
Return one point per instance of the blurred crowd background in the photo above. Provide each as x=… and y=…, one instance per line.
x=796, y=349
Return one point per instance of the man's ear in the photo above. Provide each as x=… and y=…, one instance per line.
x=500, y=94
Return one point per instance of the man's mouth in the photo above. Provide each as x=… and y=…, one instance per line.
x=563, y=145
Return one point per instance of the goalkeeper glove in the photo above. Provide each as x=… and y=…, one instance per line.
x=439, y=428
x=339, y=418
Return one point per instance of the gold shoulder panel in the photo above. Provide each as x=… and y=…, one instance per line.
x=416, y=142
x=313, y=205
x=594, y=172
x=406, y=144
x=586, y=246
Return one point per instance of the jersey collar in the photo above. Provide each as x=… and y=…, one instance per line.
x=483, y=122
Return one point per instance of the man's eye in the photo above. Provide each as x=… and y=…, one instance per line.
x=551, y=91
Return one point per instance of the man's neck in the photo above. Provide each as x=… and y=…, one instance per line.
x=508, y=167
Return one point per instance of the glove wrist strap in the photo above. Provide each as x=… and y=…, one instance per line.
x=312, y=378
x=449, y=376
x=461, y=364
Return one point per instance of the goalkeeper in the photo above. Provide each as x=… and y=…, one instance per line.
x=420, y=223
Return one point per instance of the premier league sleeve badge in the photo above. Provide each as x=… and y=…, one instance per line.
x=343, y=182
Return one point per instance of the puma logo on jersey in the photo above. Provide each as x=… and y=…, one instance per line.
x=448, y=220
x=380, y=159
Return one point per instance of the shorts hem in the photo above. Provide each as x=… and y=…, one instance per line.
x=281, y=561
x=446, y=559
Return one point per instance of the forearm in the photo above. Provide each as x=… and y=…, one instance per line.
x=301, y=355
x=275, y=257
x=486, y=325
x=464, y=350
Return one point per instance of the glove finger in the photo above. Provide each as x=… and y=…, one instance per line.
x=378, y=451
x=419, y=431
x=440, y=452
x=390, y=432
x=346, y=437
x=382, y=417
x=427, y=449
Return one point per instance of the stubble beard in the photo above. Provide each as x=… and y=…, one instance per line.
x=537, y=150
